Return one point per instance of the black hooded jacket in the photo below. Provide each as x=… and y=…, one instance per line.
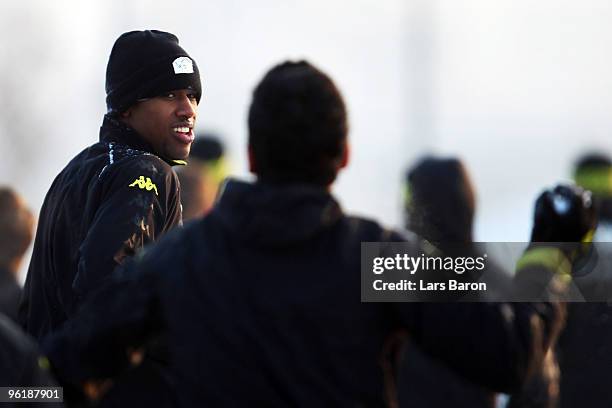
x=109, y=201
x=261, y=305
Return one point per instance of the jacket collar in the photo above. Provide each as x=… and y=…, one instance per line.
x=115, y=131
x=276, y=215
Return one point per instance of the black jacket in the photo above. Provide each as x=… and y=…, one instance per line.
x=110, y=200
x=585, y=355
x=261, y=304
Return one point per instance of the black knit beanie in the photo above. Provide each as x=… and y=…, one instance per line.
x=145, y=64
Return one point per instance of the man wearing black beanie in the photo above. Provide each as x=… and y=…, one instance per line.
x=121, y=192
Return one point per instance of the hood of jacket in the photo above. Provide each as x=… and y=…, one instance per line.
x=274, y=215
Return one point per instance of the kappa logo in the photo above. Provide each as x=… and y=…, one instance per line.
x=183, y=65
x=144, y=184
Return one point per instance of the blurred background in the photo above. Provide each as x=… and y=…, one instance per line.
x=517, y=89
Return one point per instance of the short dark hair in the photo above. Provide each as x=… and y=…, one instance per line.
x=206, y=147
x=297, y=125
x=593, y=171
x=594, y=159
x=441, y=202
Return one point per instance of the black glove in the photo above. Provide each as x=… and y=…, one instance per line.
x=564, y=214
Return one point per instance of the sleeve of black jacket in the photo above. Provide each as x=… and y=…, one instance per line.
x=94, y=343
x=498, y=345
x=123, y=313
x=139, y=201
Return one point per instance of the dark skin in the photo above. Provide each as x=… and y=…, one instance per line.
x=166, y=122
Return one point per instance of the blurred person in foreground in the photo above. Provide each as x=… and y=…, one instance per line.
x=260, y=299
x=16, y=232
x=563, y=214
x=201, y=179
x=120, y=193
x=439, y=206
x=585, y=345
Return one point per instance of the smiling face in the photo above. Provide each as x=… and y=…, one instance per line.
x=165, y=122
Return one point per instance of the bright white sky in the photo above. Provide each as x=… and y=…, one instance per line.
x=516, y=88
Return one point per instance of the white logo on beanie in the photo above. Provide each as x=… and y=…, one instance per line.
x=183, y=65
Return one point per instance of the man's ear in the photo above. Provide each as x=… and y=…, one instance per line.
x=126, y=113
x=346, y=154
x=252, y=164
